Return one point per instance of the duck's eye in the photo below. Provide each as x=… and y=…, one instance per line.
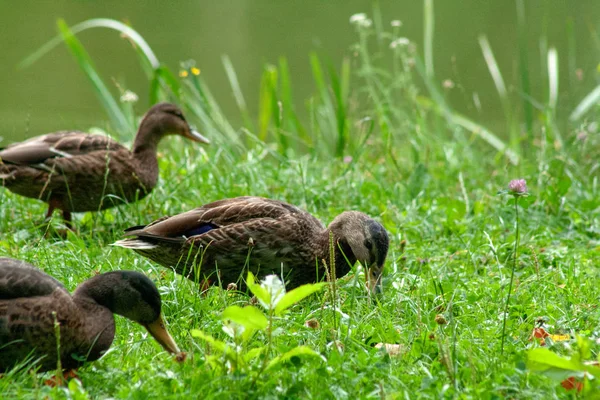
x=178, y=114
x=368, y=244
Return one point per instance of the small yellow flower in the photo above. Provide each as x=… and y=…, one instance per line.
x=195, y=71
x=183, y=74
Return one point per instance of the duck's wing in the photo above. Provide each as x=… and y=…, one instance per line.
x=241, y=212
x=39, y=149
x=19, y=279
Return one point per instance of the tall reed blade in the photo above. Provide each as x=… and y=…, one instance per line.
x=588, y=102
x=237, y=92
x=340, y=86
x=118, y=119
x=494, y=69
x=265, y=100
x=429, y=29
x=524, y=69
x=552, y=78
x=120, y=27
x=553, y=93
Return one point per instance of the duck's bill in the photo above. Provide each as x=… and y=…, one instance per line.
x=198, y=137
x=374, y=279
x=159, y=332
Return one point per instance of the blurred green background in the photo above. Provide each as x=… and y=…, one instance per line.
x=54, y=94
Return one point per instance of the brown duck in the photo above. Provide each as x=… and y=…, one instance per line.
x=29, y=297
x=77, y=172
x=218, y=242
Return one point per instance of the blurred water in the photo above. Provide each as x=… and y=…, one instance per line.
x=54, y=94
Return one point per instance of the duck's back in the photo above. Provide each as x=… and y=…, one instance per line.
x=78, y=170
x=268, y=235
x=41, y=149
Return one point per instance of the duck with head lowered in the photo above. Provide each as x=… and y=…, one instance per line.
x=76, y=172
x=218, y=242
x=31, y=302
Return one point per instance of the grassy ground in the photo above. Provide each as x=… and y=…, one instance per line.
x=433, y=184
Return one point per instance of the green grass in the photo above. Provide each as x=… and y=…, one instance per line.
x=428, y=174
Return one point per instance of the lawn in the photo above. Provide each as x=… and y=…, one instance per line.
x=378, y=136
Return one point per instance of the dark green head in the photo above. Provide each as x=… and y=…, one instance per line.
x=132, y=295
x=368, y=240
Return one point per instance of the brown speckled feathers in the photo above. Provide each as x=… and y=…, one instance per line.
x=219, y=239
x=75, y=172
x=31, y=302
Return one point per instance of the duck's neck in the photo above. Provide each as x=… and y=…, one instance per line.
x=99, y=290
x=344, y=258
x=147, y=139
x=99, y=323
x=144, y=150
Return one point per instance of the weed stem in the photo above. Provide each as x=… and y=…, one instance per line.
x=512, y=276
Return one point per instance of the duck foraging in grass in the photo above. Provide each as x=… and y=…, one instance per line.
x=218, y=242
x=77, y=172
x=32, y=301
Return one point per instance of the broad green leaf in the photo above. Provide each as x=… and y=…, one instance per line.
x=542, y=360
x=250, y=317
x=260, y=292
x=215, y=344
x=294, y=296
x=297, y=351
x=253, y=353
x=584, y=347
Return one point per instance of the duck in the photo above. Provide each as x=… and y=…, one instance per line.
x=31, y=301
x=217, y=243
x=74, y=171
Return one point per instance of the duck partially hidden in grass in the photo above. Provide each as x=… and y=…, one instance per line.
x=77, y=172
x=218, y=242
x=31, y=301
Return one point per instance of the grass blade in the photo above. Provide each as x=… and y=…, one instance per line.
x=524, y=68
x=265, y=100
x=340, y=85
x=552, y=78
x=494, y=69
x=237, y=92
x=118, y=119
x=429, y=29
x=492, y=65
x=120, y=27
x=586, y=104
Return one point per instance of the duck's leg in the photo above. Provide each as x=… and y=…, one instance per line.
x=51, y=208
x=54, y=204
x=67, y=218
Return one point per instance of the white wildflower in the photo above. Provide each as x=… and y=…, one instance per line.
x=358, y=18
x=396, y=23
x=399, y=42
x=232, y=329
x=129, y=97
x=448, y=84
x=275, y=288
x=361, y=20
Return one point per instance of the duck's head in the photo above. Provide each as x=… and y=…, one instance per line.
x=134, y=296
x=368, y=241
x=167, y=119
